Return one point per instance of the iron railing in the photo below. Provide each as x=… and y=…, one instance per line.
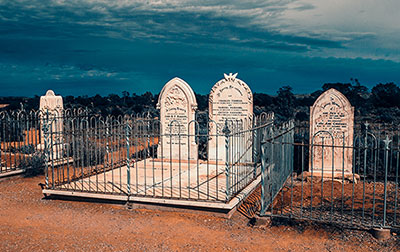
x=21, y=137
x=126, y=155
x=83, y=151
x=367, y=195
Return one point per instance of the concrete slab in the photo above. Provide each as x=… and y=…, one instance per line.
x=11, y=173
x=199, y=185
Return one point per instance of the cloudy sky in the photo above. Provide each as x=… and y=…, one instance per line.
x=98, y=46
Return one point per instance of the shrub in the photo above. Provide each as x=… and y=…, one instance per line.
x=24, y=149
x=34, y=165
x=27, y=149
x=87, y=153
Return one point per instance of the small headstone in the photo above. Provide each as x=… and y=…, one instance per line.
x=231, y=102
x=331, y=124
x=177, y=105
x=51, y=107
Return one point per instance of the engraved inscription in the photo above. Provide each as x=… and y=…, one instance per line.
x=177, y=105
x=230, y=100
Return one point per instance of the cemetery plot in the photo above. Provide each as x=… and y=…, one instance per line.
x=106, y=168
x=159, y=158
x=366, y=197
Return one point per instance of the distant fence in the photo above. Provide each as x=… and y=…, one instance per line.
x=367, y=196
x=21, y=137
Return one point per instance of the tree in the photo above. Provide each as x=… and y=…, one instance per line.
x=262, y=100
x=386, y=95
x=285, y=102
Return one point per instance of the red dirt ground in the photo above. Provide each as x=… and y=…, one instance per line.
x=31, y=223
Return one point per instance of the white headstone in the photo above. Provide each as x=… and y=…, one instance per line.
x=177, y=105
x=51, y=107
x=331, y=123
x=51, y=102
x=230, y=100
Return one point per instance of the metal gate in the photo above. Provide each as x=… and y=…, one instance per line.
x=276, y=161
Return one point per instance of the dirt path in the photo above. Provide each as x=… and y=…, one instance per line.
x=30, y=223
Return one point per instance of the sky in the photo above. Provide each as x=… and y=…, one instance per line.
x=90, y=47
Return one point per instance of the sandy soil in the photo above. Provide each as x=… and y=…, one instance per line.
x=31, y=223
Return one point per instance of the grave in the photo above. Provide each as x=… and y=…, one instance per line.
x=173, y=175
x=331, y=124
x=177, y=105
x=231, y=102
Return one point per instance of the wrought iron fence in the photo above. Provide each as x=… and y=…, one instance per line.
x=83, y=151
x=363, y=192
x=21, y=137
x=129, y=155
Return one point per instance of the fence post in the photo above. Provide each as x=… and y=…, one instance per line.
x=107, y=143
x=263, y=160
x=365, y=166
x=128, y=169
x=387, y=142
x=255, y=146
x=226, y=132
x=45, y=129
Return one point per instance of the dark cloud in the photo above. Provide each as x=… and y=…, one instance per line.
x=89, y=47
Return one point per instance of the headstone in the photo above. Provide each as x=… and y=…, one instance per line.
x=51, y=107
x=231, y=102
x=331, y=124
x=177, y=105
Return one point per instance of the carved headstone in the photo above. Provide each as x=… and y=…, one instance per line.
x=177, y=105
x=51, y=107
x=231, y=102
x=331, y=124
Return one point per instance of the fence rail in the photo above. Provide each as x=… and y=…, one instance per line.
x=126, y=155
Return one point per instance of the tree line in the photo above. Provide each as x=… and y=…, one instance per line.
x=379, y=104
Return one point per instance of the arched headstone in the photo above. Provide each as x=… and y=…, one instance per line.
x=331, y=124
x=231, y=101
x=177, y=105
